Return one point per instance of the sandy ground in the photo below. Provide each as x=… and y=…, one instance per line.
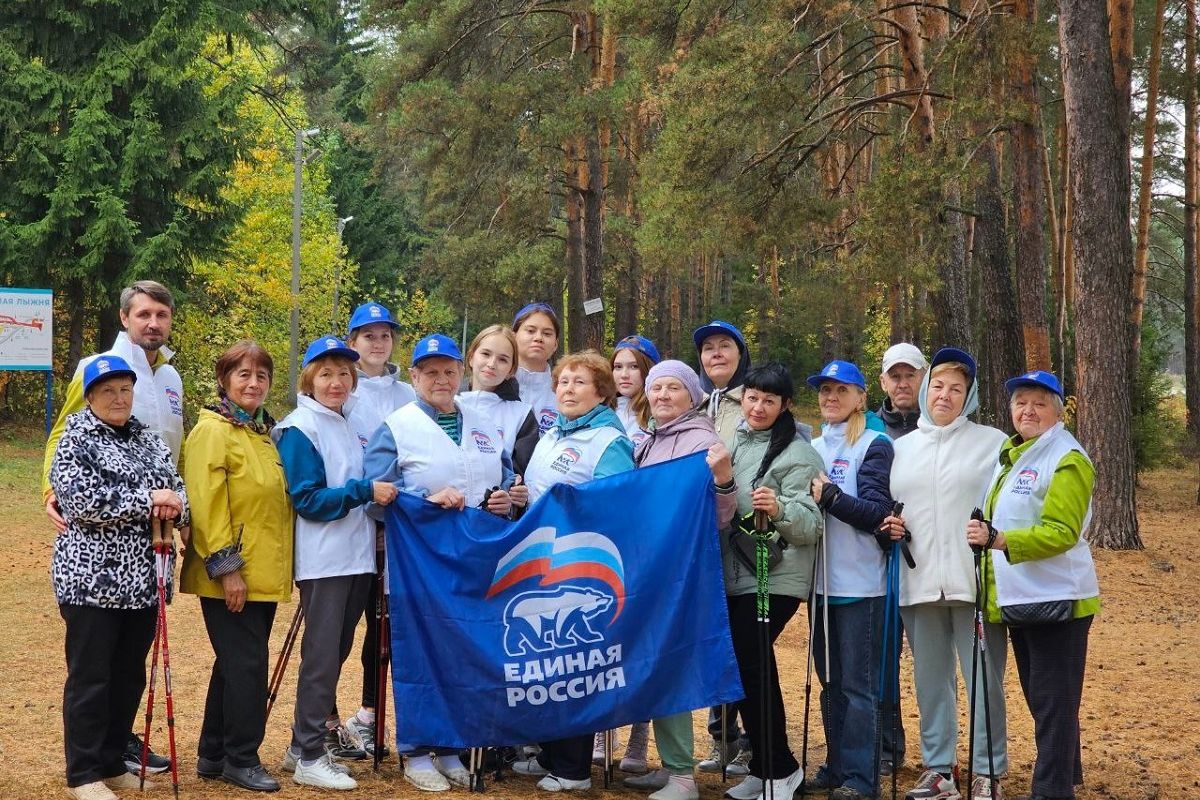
x=1140, y=717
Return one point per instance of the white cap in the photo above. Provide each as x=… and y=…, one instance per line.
x=904, y=353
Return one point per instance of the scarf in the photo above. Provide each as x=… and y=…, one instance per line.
x=260, y=423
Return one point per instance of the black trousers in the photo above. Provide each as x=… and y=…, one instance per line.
x=744, y=628
x=569, y=758
x=1050, y=662
x=235, y=711
x=106, y=673
x=370, y=649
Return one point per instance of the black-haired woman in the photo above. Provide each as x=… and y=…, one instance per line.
x=773, y=470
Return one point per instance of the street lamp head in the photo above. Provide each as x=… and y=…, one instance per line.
x=304, y=134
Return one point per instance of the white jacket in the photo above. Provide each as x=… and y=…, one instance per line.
x=376, y=398
x=941, y=474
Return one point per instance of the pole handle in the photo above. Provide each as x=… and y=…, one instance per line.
x=160, y=533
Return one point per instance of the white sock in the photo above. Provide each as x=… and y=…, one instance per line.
x=451, y=762
x=419, y=763
x=366, y=717
x=687, y=782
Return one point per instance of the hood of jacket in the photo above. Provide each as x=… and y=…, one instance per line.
x=688, y=433
x=969, y=405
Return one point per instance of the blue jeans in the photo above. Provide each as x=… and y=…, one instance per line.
x=848, y=692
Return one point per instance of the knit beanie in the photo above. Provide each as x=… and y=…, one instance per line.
x=681, y=372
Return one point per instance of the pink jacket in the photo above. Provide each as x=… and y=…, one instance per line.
x=691, y=433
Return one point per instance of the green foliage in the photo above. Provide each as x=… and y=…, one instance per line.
x=1158, y=431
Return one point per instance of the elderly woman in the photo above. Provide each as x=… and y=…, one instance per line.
x=452, y=456
x=111, y=476
x=853, y=492
x=587, y=441
x=773, y=470
x=334, y=545
x=939, y=472
x=239, y=560
x=675, y=430
x=1040, y=580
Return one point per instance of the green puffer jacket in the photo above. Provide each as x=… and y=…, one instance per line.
x=800, y=522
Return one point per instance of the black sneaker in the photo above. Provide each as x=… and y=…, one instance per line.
x=155, y=764
x=341, y=742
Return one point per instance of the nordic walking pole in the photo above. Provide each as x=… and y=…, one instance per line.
x=808, y=670
x=980, y=654
x=763, y=607
x=883, y=668
x=158, y=622
x=724, y=743
x=383, y=635
x=285, y=654
x=164, y=543
x=894, y=663
x=608, y=757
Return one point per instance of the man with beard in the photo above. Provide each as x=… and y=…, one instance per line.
x=146, y=312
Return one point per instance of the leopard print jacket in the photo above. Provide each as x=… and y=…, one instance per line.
x=103, y=479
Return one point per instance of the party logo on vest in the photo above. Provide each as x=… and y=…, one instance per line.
x=362, y=440
x=578, y=591
x=566, y=459
x=838, y=470
x=1025, y=481
x=483, y=442
x=175, y=401
x=546, y=418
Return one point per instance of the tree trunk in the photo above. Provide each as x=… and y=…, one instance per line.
x=913, y=64
x=592, y=182
x=1067, y=266
x=1120, y=32
x=574, y=248
x=1145, y=185
x=953, y=303
x=1191, y=315
x=1000, y=344
x=1030, y=194
x=78, y=313
x=1099, y=158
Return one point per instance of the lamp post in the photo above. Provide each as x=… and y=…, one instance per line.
x=294, y=350
x=337, y=269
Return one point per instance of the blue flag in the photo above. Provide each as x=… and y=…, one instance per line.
x=602, y=606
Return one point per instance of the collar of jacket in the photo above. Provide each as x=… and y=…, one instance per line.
x=125, y=347
x=930, y=428
x=312, y=404
x=598, y=417
x=90, y=423
x=898, y=419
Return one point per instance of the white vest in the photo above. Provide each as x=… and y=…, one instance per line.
x=343, y=546
x=1066, y=576
x=427, y=459
x=567, y=459
x=856, y=564
x=376, y=398
x=941, y=473
x=157, y=393
x=537, y=389
x=633, y=430
x=507, y=415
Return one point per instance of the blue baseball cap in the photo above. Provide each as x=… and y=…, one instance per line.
x=435, y=344
x=533, y=308
x=103, y=367
x=1039, y=378
x=947, y=354
x=368, y=314
x=838, y=372
x=328, y=346
x=718, y=327
x=642, y=345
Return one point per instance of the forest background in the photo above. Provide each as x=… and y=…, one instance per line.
x=1018, y=178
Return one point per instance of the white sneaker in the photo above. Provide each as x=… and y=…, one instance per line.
x=984, y=788
x=679, y=787
x=932, y=786
x=290, y=757
x=634, y=760
x=598, y=747
x=749, y=789
x=454, y=771
x=530, y=766
x=127, y=780
x=740, y=765
x=96, y=790
x=551, y=783
x=322, y=774
x=783, y=788
x=653, y=780
x=425, y=778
